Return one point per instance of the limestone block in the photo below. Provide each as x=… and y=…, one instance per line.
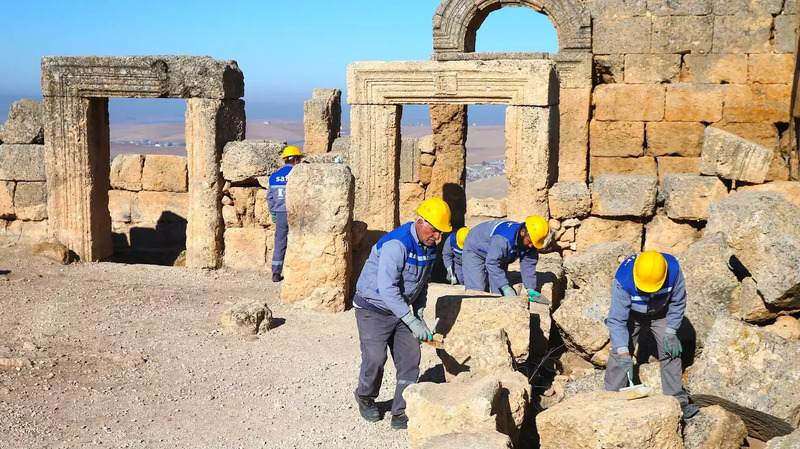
x=667, y=236
x=246, y=248
x=262, y=215
x=126, y=172
x=52, y=250
x=530, y=159
x=427, y=159
x=249, y=158
x=694, y=103
x=322, y=120
x=121, y=204
x=633, y=102
x=650, y=374
x=786, y=442
x=609, y=68
x=621, y=35
x=785, y=33
x=164, y=173
x=751, y=306
x=742, y=32
x=30, y=201
x=616, y=8
x=778, y=169
x=476, y=353
x=764, y=133
x=617, y=139
x=573, y=142
x=318, y=262
x=594, y=420
x=426, y=143
x=28, y=231
x=409, y=160
x=670, y=165
x=728, y=7
x=687, y=196
x=472, y=440
x=761, y=230
x=410, y=195
x=597, y=262
x=248, y=317
x=341, y=145
x=486, y=207
x=679, y=7
x=751, y=372
x=624, y=195
x=7, y=199
x=730, y=157
x=714, y=68
x=230, y=217
x=596, y=230
x=790, y=190
x=574, y=70
x=581, y=317
x=652, y=68
x=22, y=162
x=569, y=199
x=682, y=34
x=787, y=327
x=25, y=123
x=771, y=68
x=153, y=207
x=623, y=166
x=714, y=427
x=244, y=203
x=550, y=280
x=757, y=103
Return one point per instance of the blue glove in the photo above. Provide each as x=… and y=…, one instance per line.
x=508, y=290
x=273, y=218
x=421, y=314
x=671, y=343
x=417, y=327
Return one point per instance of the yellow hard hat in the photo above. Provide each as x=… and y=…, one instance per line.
x=649, y=271
x=461, y=235
x=291, y=150
x=538, y=229
x=436, y=212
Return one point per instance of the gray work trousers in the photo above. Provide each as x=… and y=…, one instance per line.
x=281, y=237
x=376, y=331
x=475, y=275
x=671, y=368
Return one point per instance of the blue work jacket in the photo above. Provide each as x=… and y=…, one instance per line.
x=276, y=193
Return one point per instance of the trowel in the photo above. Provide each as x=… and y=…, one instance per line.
x=635, y=391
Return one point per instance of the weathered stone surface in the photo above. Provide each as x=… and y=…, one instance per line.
x=714, y=427
x=667, y=236
x=569, y=199
x=530, y=159
x=250, y=158
x=778, y=169
x=652, y=68
x=763, y=133
x=126, y=172
x=476, y=353
x=757, y=103
x=53, y=251
x=322, y=120
x=410, y=195
x=730, y=157
x=790, y=190
x=729, y=68
x=670, y=165
x=409, y=160
x=573, y=142
x=623, y=166
x=688, y=196
x=27, y=231
x=121, y=203
x=728, y=7
x=152, y=207
x=617, y=139
x=341, y=145
x=318, y=263
x=787, y=327
x=164, y=173
x=25, y=123
x=761, y=230
x=771, y=68
x=634, y=102
x=751, y=306
x=597, y=262
x=594, y=420
x=581, y=317
x=486, y=207
x=679, y=7
x=742, y=32
x=621, y=35
x=596, y=230
x=30, y=201
x=682, y=34
x=694, y=103
x=244, y=203
x=785, y=33
x=624, y=195
x=551, y=280
x=473, y=440
x=674, y=138
x=790, y=441
x=7, y=199
x=751, y=372
x=246, y=248
x=609, y=69
x=248, y=317
x=22, y=162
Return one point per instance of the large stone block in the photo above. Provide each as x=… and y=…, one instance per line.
x=789, y=190
x=476, y=353
x=246, y=248
x=7, y=199
x=728, y=7
x=247, y=317
x=322, y=120
x=617, y=139
x=751, y=306
x=634, y=102
x=472, y=440
x=126, y=172
x=763, y=133
x=742, y=32
x=486, y=207
x=30, y=201
x=679, y=7
x=244, y=203
x=761, y=230
x=573, y=141
x=787, y=327
x=714, y=427
x=623, y=166
x=790, y=441
x=728, y=156
x=581, y=317
x=569, y=199
x=785, y=33
x=667, y=236
x=624, y=35
x=682, y=34
x=594, y=421
x=598, y=262
x=25, y=123
x=22, y=162
x=245, y=159
x=669, y=165
x=624, y=195
x=410, y=161
x=531, y=159
x=728, y=68
x=154, y=207
x=694, y=103
x=686, y=196
x=597, y=230
x=771, y=68
x=410, y=195
x=751, y=372
x=757, y=103
x=121, y=204
x=164, y=173
x=652, y=68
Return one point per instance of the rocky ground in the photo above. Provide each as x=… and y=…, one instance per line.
x=116, y=355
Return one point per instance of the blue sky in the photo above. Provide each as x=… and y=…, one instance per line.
x=285, y=49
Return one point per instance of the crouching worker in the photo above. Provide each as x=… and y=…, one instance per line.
x=451, y=256
x=648, y=293
x=390, y=299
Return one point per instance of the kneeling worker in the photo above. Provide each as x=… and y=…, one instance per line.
x=492, y=245
x=390, y=299
x=451, y=256
x=648, y=293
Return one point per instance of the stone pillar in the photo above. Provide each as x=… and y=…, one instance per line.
x=449, y=125
x=318, y=263
x=322, y=120
x=210, y=124
x=528, y=160
x=78, y=171
x=374, y=156
x=574, y=103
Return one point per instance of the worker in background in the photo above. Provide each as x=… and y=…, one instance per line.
x=389, y=303
x=648, y=293
x=451, y=256
x=492, y=245
x=276, y=202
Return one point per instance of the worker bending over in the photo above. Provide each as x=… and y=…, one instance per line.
x=451, y=256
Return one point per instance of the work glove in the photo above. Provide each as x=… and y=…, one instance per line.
x=534, y=296
x=273, y=218
x=421, y=314
x=508, y=290
x=671, y=343
x=417, y=327
x=451, y=276
x=625, y=361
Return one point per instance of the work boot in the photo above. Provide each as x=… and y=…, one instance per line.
x=276, y=277
x=689, y=410
x=367, y=408
x=400, y=421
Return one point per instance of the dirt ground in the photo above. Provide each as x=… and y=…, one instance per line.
x=133, y=356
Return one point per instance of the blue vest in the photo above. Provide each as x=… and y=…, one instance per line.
x=416, y=255
x=642, y=302
x=454, y=244
x=509, y=230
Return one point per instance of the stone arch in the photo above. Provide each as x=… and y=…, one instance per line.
x=456, y=22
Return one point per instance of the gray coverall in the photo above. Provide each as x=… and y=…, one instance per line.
x=488, y=249
x=276, y=202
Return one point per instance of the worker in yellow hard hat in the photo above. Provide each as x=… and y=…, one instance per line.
x=492, y=245
x=451, y=256
x=390, y=299
x=276, y=202
x=648, y=292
